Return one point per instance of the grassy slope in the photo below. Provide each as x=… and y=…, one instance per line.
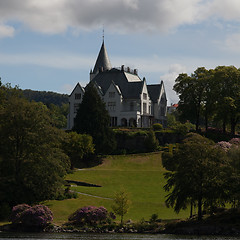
x=140, y=175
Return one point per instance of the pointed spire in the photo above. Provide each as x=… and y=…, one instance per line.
x=103, y=61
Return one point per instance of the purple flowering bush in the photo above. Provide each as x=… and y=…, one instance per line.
x=235, y=141
x=38, y=215
x=17, y=211
x=224, y=145
x=90, y=215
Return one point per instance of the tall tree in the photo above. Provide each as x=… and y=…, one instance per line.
x=197, y=175
x=227, y=80
x=93, y=119
x=32, y=165
x=191, y=94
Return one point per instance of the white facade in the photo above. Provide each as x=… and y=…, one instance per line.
x=129, y=100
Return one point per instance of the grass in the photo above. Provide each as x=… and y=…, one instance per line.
x=141, y=175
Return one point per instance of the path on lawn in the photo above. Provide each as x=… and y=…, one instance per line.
x=93, y=196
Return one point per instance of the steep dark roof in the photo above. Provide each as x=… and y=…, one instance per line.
x=102, y=60
x=154, y=91
x=129, y=90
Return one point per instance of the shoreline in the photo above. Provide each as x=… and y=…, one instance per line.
x=185, y=229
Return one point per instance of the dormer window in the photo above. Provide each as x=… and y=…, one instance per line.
x=111, y=94
x=78, y=95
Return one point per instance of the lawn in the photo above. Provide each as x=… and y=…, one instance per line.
x=141, y=175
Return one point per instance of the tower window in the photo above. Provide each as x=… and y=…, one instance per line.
x=78, y=95
x=111, y=94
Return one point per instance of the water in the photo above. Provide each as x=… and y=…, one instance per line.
x=87, y=236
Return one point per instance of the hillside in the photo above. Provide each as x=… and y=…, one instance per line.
x=141, y=176
x=45, y=97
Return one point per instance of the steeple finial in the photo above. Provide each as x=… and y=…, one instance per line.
x=103, y=33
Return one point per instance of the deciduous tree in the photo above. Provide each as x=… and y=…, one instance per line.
x=197, y=176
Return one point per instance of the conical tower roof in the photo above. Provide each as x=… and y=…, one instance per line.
x=102, y=60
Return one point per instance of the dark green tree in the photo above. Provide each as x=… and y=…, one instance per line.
x=191, y=94
x=227, y=83
x=77, y=146
x=197, y=176
x=93, y=119
x=32, y=164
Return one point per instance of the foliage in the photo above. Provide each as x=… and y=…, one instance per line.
x=210, y=96
x=121, y=204
x=235, y=141
x=38, y=215
x=47, y=98
x=183, y=128
x=92, y=118
x=225, y=146
x=153, y=218
x=157, y=127
x=151, y=142
x=59, y=115
x=90, y=215
x=203, y=165
x=17, y=211
x=32, y=164
x=77, y=146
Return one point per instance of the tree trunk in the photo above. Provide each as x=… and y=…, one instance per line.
x=200, y=207
x=224, y=126
x=191, y=210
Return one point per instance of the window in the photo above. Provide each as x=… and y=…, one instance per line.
x=131, y=106
x=113, y=121
x=78, y=95
x=144, y=96
x=76, y=106
x=162, y=111
x=111, y=94
x=144, y=108
x=111, y=106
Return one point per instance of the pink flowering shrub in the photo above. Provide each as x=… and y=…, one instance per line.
x=235, y=141
x=224, y=145
x=17, y=211
x=38, y=215
x=90, y=215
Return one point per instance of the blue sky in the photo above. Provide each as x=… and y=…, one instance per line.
x=52, y=45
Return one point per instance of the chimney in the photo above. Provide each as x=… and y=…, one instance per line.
x=135, y=71
x=122, y=68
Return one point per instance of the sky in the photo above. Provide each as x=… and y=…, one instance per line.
x=50, y=45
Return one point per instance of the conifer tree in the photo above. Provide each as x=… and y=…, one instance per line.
x=92, y=118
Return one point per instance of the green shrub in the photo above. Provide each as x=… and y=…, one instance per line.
x=151, y=142
x=157, y=127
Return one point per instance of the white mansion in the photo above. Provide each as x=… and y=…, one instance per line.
x=129, y=100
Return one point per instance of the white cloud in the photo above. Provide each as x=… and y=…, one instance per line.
x=6, y=31
x=57, y=16
x=222, y=9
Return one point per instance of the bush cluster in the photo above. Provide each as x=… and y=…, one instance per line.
x=90, y=215
x=38, y=215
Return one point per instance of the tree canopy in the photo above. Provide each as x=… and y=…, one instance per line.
x=32, y=164
x=197, y=173
x=210, y=95
x=92, y=118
